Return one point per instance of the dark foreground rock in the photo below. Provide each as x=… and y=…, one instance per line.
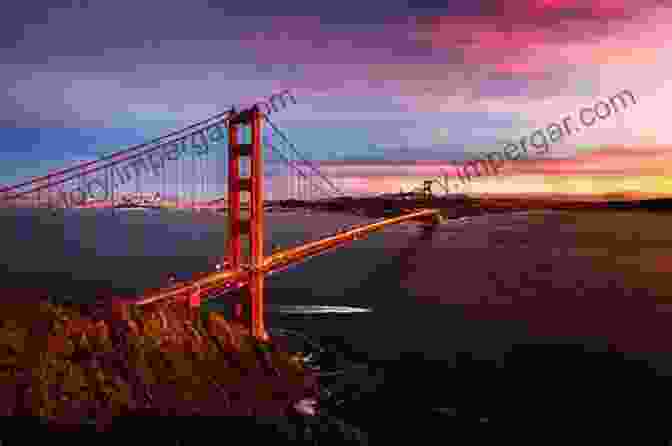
x=168, y=431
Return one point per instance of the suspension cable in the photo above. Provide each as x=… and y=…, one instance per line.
x=307, y=162
x=218, y=116
x=293, y=166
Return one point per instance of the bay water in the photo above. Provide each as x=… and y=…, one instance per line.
x=470, y=292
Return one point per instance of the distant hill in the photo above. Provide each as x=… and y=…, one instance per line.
x=654, y=204
x=556, y=202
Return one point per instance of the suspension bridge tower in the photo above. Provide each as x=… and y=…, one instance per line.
x=427, y=189
x=252, y=228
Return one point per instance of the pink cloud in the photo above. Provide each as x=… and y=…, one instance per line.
x=604, y=161
x=535, y=36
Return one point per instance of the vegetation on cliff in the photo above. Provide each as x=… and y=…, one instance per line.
x=72, y=363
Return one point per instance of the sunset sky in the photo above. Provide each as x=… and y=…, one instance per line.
x=387, y=94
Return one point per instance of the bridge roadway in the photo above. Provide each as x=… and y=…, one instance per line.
x=215, y=284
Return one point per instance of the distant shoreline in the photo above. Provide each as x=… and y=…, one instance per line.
x=465, y=206
x=652, y=204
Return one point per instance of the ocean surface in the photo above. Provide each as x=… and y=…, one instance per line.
x=463, y=297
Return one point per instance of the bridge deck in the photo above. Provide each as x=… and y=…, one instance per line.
x=212, y=283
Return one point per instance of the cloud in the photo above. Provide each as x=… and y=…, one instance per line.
x=472, y=76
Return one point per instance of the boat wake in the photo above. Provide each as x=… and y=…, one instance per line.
x=314, y=309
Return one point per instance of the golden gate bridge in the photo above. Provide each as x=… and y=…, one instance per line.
x=184, y=170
